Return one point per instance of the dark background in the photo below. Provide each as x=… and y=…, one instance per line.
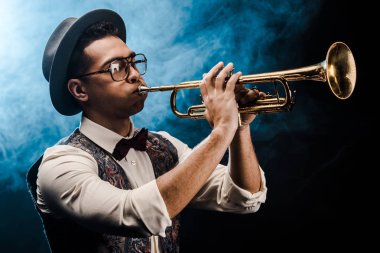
x=320, y=181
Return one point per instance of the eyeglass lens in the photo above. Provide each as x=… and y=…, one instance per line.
x=120, y=68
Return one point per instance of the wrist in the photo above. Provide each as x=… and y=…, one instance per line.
x=244, y=129
x=242, y=133
x=224, y=132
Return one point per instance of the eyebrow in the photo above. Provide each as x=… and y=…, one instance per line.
x=133, y=54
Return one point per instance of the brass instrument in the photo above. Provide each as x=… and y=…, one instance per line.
x=338, y=70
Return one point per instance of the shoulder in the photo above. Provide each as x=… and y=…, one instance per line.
x=64, y=155
x=64, y=149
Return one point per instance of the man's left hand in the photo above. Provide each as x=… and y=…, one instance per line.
x=245, y=98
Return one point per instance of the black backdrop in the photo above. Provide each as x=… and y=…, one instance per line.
x=322, y=194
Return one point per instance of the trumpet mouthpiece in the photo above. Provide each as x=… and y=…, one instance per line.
x=142, y=89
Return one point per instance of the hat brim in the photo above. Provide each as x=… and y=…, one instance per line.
x=61, y=98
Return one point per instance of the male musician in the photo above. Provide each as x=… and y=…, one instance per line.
x=112, y=187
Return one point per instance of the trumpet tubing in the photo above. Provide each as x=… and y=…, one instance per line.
x=338, y=70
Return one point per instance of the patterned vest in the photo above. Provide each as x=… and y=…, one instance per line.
x=67, y=236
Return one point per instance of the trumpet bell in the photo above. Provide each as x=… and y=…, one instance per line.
x=341, y=70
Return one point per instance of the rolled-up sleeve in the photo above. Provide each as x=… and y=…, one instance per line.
x=220, y=193
x=68, y=186
x=233, y=196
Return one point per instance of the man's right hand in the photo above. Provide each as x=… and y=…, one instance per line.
x=179, y=186
x=219, y=98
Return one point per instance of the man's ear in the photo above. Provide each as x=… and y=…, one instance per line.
x=77, y=89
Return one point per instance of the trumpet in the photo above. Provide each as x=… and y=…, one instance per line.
x=338, y=70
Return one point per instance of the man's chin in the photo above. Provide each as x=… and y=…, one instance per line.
x=138, y=107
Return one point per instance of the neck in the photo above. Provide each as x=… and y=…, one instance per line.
x=121, y=126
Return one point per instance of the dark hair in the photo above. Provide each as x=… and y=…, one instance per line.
x=79, y=62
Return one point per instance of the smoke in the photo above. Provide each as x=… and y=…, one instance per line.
x=181, y=39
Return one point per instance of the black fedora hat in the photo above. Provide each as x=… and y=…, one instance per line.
x=59, y=49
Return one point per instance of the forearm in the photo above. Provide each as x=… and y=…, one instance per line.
x=181, y=184
x=244, y=166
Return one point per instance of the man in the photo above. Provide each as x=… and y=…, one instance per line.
x=110, y=187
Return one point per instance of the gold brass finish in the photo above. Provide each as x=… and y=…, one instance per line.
x=338, y=70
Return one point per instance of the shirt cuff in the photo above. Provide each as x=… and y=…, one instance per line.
x=151, y=208
x=235, y=196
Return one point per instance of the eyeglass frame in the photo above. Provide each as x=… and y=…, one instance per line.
x=109, y=70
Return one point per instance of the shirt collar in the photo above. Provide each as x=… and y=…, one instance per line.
x=103, y=137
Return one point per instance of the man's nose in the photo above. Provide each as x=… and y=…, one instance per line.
x=134, y=74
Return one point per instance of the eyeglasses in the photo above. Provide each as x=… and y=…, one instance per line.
x=120, y=68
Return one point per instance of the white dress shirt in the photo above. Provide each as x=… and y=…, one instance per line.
x=68, y=185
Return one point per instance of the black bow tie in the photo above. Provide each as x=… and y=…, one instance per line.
x=137, y=142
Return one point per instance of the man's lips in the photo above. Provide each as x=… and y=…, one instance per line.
x=138, y=89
